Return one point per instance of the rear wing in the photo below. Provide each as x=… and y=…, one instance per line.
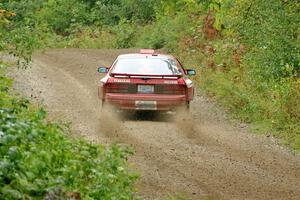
x=146, y=75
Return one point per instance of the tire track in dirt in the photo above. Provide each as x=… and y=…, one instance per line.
x=198, y=155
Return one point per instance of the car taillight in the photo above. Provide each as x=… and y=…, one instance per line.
x=170, y=89
x=120, y=88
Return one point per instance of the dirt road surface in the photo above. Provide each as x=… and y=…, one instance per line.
x=204, y=155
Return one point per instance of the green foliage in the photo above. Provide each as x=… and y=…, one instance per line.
x=166, y=33
x=37, y=159
x=85, y=37
x=110, y=12
x=124, y=34
x=270, y=29
x=63, y=16
x=18, y=38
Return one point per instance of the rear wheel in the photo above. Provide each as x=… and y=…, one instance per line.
x=184, y=108
x=106, y=107
x=103, y=106
x=187, y=106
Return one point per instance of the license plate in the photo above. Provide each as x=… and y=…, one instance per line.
x=145, y=105
x=147, y=89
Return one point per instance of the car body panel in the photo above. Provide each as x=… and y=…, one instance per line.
x=146, y=91
x=130, y=101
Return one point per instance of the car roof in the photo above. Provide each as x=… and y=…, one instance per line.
x=142, y=55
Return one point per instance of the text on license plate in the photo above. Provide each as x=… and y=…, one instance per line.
x=145, y=89
x=145, y=105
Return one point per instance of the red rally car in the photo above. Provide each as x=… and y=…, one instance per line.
x=146, y=81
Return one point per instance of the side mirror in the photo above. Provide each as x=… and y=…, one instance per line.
x=190, y=72
x=102, y=70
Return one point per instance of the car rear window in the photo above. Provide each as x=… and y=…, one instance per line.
x=146, y=65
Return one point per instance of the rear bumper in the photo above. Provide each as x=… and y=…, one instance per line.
x=145, y=101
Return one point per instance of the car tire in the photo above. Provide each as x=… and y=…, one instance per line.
x=103, y=106
x=187, y=107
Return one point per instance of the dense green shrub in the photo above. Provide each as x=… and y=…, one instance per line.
x=125, y=33
x=19, y=34
x=110, y=12
x=63, y=16
x=37, y=159
x=167, y=31
x=271, y=31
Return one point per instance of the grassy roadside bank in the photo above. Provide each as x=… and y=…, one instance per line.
x=38, y=160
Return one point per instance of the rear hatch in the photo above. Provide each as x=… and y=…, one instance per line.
x=164, y=86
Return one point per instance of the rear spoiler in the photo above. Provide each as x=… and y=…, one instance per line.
x=145, y=75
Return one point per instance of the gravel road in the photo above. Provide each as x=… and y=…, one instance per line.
x=202, y=155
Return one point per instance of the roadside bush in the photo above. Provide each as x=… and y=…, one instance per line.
x=270, y=30
x=165, y=33
x=38, y=160
x=20, y=38
x=125, y=34
x=61, y=16
x=85, y=37
x=113, y=12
